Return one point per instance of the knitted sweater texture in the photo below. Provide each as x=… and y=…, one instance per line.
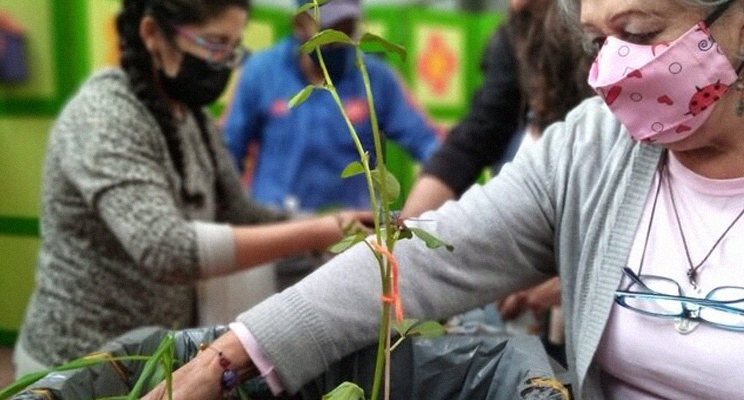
x=119, y=247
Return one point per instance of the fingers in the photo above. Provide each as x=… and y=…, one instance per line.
x=352, y=222
x=513, y=305
x=537, y=299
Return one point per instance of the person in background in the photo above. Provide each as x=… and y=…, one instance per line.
x=535, y=72
x=635, y=200
x=140, y=198
x=302, y=151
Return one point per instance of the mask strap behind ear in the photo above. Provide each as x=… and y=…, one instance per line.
x=717, y=13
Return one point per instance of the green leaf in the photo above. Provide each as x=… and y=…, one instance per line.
x=347, y=242
x=392, y=187
x=355, y=168
x=390, y=47
x=431, y=241
x=324, y=37
x=83, y=362
x=427, y=329
x=21, y=384
x=402, y=327
x=165, y=346
x=300, y=97
x=414, y=327
x=308, y=6
x=404, y=233
x=345, y=391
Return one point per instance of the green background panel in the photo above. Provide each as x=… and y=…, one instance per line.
x=57, y=55
x=390, y=23
x=482, y=28
x=33, y=14
x=16, y=254
x=22, y=144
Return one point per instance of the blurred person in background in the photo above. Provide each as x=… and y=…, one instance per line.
x=302, y=151
x=535, y=72
x=140, y=198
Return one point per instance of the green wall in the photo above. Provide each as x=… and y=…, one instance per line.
x=67, y=39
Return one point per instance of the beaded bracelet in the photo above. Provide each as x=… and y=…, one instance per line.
x=230, y=378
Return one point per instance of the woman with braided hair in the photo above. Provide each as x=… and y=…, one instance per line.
x=140, y=199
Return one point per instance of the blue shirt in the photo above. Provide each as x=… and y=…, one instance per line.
x=302, y=151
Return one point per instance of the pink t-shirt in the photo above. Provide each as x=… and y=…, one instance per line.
x=645, y=357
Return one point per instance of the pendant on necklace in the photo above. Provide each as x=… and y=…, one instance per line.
x=692, y=277
x=685, y=325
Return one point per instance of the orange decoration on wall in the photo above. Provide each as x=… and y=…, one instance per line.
x=437, y=63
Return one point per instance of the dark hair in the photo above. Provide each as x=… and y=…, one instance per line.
x=553, y=66
x=136, y=61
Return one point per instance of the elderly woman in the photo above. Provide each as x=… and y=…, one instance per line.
x=634, y=201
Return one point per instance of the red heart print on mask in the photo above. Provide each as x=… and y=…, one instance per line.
x=682, y=128
x=635, y=74
x=665, y=100
x=612, y=95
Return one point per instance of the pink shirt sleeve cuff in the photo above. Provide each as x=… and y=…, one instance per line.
x=265, y=367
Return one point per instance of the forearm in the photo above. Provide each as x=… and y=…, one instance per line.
x=258, y=244
x=336, y=309
x=428, y=193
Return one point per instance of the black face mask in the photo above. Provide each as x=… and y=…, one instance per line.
x=197, y=83
x=335, y=59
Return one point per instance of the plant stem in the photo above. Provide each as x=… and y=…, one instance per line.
x=387, y=357
x=357, y=143
x=381, y=214
x=381, y=342
x=381, y=167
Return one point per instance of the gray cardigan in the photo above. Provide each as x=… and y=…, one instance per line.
x=120, y=246
x=570, y=204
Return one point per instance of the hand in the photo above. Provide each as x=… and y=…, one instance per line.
x=537, y=298
x=351, y=222
x=200, y=377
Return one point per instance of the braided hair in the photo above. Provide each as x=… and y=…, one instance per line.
x=137, y=62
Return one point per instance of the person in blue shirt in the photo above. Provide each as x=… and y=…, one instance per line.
x=303, y=150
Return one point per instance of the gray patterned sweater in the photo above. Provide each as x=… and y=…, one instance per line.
x=120, y=246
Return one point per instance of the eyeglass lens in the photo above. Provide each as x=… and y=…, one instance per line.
x=723, y=306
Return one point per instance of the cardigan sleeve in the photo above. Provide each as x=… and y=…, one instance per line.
x=502, y=234
x=113, y=156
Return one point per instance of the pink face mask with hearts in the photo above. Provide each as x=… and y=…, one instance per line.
x=663, y=92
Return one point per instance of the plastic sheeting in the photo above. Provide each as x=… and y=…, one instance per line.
x=451, y=367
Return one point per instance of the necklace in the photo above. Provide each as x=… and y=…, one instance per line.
x=692, y=272
x=681, y=324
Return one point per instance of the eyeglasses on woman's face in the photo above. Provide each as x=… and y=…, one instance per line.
x=657, y=296
x=218, y=54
